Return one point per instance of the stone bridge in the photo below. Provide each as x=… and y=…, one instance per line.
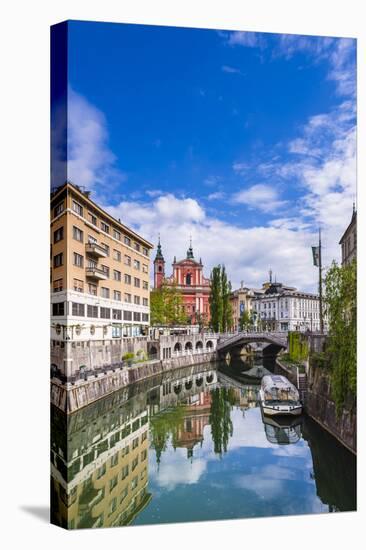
x=234, y=344
x=182, y=345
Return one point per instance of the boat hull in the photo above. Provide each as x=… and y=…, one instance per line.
x=281, y=410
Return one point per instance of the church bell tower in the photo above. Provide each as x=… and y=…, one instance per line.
x=159, y=267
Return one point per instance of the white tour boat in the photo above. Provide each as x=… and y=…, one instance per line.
x=278, y=396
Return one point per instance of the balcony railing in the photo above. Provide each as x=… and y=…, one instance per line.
x=96, y=250
x=96, y=273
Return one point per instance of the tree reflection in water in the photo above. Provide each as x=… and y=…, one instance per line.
x=222, y=401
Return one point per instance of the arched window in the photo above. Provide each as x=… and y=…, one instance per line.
x=160, y=268
x=188, y=279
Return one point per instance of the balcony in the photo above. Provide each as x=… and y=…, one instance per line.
x=96, y=250
x=94, y=272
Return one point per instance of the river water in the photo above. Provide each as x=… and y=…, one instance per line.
x=192, y=445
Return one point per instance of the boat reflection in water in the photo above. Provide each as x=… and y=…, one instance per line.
x=282, y=430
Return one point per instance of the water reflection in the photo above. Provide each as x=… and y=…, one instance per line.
x=191, y=445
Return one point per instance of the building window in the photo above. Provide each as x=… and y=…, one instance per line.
x=78, y=285
x=114, y=460
x=127, y=260
x=124, y=472
x=117, y=314
x=92, y=289
x=105, y=313
x=104, y=227
x=92, y=311
x=145, y=268
x=145, y=285
x=92, y=329
x=127, y=315
x=104, y=292
x=78, y=260
x=58, y=260
x=188, y=279
x=92, y=218
x=106, y=248
x=58, y=235
x=127, y=241
x=145, y=251
x=116, y=255
x=136, y=316
x=113, y=482
x=136, y=300
x=136, y=264
x=78, y=309
x=127, y=279
x=117, y=295
x=58, y=285
x=77, y=208
x=145, y=301
x=134, y=463
x=77, y=234
x=116, y=275
x=124, y=494
x=145, y=317
x=136, y=282
x=137, y=247
x=116, y=234
x=58, y=209
x=116, y=331
x=128, y=297
x=92, y=240
x=105, y=268
x=58, y=309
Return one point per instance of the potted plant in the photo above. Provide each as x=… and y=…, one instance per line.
x=128, y=357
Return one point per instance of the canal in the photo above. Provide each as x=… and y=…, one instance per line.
x=192, y=445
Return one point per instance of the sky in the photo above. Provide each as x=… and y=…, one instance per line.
x=245, y=141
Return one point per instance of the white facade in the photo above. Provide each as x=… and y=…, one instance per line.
x=115, y=319
x=288, y=310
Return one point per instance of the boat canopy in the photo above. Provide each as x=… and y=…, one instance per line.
x=278, y=388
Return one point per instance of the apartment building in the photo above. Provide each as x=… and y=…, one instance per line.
x=99, y=273
x=348, y=240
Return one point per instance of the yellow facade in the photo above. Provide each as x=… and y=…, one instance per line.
x=98, y=264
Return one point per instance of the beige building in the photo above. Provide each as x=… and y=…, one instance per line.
x=348, y=240
x=242, y=300
x=99, y=277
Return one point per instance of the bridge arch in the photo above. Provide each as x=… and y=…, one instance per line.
x=188, y=385
x=188, y=346
x=199, y=346
x=209, y=345
x=177, y=347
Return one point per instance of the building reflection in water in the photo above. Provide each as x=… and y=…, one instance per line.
x=99, y=455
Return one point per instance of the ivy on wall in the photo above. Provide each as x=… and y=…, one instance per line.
x=298, y=346
x=341, y=303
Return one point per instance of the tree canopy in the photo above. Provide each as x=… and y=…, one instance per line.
x=166, y=306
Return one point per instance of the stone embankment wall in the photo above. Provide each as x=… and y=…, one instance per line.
x=321, y=407
x=72, y=397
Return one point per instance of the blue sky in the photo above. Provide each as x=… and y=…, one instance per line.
x=244, y=140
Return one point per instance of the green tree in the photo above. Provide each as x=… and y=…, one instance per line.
x=215, y=300
x=341, y=307
x=227, y=311
x=222, y=400
x=220, y=306
x=166, y=305
x=245, y=320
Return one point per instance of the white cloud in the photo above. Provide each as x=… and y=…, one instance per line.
x=216, y=196
x=247, y=39
x=154, y=192
x=260, y=197
x=240, y=167
x=229, y=69
x=175, y=469
x=91, y=163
